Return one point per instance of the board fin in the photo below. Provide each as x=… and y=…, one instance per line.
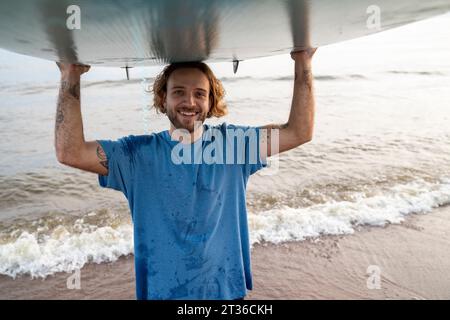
x=127, y=72
x=235, y=66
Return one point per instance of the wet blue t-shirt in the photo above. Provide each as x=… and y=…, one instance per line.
x=191, y=237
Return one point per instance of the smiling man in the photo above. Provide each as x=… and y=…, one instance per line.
x=184, y=96
x=191, y=238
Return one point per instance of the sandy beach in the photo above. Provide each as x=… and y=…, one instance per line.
x=413, y=259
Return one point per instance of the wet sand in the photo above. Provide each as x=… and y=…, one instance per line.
x=413, y=259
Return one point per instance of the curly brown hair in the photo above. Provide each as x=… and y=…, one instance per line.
x=218, y=107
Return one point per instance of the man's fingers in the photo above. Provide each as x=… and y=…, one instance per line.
x=59, y=65
x=306, y=50
x=73, y=68
x=81, y=67
x=307, y=53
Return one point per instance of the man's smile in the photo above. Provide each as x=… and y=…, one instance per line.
x=188, y=114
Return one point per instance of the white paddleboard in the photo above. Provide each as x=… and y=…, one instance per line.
x=148, y=32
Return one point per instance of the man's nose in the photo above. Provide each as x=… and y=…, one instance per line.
x=190, y=99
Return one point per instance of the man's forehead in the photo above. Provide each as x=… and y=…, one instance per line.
x=188, y=77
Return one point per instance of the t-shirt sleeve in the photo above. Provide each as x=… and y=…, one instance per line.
x=121, y=162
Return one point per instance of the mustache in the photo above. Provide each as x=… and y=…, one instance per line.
x=189, y=109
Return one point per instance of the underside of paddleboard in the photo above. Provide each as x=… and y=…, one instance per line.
x=150, y=32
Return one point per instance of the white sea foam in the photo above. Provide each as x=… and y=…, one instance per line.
x=64, y=251
x=340, y=217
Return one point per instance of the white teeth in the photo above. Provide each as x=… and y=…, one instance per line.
x=188, y=113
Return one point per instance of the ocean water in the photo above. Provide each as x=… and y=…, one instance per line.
x=381, y=149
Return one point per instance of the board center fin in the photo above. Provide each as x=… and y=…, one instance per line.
x=235, y=66
x=127, y=71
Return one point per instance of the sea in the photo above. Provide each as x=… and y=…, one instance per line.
x=380, y=151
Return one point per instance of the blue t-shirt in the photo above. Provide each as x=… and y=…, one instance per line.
x=191, y=237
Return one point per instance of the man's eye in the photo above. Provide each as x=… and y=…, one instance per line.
x=178, y=92
x=201, y=94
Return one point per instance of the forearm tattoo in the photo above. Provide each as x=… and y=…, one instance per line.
x=73, y=89
x=67, y=89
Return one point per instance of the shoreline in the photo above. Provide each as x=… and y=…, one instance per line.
x=412, y=259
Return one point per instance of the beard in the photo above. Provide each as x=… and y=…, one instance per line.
x=182, y=122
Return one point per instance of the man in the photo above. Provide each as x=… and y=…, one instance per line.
x=190, y=221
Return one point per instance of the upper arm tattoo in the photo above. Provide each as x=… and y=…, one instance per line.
x=275, y=126
x=102, y=156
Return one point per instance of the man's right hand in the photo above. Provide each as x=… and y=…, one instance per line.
x=72, y=70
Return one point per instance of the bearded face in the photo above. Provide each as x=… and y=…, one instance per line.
x=187, y=99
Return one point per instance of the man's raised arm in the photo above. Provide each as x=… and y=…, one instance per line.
x=299, y=128
x=70, y=146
